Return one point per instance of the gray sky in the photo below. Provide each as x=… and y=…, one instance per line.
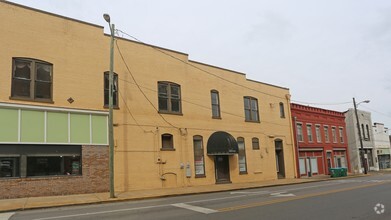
x=324, y=51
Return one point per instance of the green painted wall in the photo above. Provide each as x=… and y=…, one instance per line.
x=57, y=127
x=80, y=128
x=8, y=125
x=32, y=126
x=99, y=129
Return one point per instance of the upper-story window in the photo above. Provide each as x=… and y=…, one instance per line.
x=214, y=95
x=169, y=97
x=326, y=134
x=334, y=134
x=107, y=89
x=368, y=136
x=309, y=133
x=167, y=142
x=300, y=132
x=32, y=80
x=363, y=132
x=251, y=109
x=318, y=135
x=341, y=135
x=255, y=143
x=282, y=111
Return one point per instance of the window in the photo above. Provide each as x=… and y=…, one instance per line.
x=282, y=112
x=32, y=80
x=169, y=97
x=215, y=104
x=107, y=89
x=368, y=136
x=300, y=132
x=251, y=109
x=9, y=167
x=167, y=142
x=199, y=161
x=309, y=133
x=255, y=142
x=242, y=156
x=53, y=165
x=334, y=134
x=363, y=132
x=326, y=133
x=318, y=136
x=39, y=160
x=341, y=135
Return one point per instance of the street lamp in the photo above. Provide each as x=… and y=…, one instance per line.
x=359, y=134
x=111, y=137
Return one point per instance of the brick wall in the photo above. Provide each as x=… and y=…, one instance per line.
x=94, y=178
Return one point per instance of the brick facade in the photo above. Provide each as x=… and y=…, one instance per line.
x=94, y=178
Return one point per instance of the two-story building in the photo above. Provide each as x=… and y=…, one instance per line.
x=382, y=145
x=365, y=129
x=321, y=141
x=177, y=122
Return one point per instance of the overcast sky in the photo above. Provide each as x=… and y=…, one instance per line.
x=324, y=51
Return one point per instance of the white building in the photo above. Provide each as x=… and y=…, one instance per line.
x=382, y=145
x=365, y=129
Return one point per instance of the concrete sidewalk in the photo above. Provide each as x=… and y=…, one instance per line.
x=7, y=205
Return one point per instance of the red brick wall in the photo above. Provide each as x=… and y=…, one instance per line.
x=94, y=178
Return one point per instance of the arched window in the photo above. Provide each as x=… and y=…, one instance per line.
x=107, y=89
x=255, y=143
x=169, y=95
x=32, y=80
x=215, y=104
x=199, y=160
x=167, y=142
x=282, y=111
x=242, y=156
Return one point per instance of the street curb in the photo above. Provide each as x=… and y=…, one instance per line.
x=178, y=194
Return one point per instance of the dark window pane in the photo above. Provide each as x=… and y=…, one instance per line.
x=22, y=69
x=247, y=114
x=43, y=166
x=254, y=104
x=9, y=166
x=167, y=141
x=44, y=72
x=246, y=103
x=163, y=104
x=163, y=90
x=106, y=98
x=43, y=90
x=21, y=87
x=215, y=98
x=215, y=111
x=106, y=81
x=254, y=116
x=175, y=106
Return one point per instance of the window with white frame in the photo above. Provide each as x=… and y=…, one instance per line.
x=326, y=133
x=242, y=156
x=309, y=133
x=318, y=135
x=299, y=127
x=341, y=135
x=334, y=134
x=199, y=160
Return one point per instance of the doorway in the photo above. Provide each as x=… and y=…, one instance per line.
x=279, y=159
x=222, y=169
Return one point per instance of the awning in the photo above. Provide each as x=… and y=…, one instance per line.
x=222, y=143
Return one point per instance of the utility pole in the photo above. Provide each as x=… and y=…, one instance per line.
x=111, y=135
x=359, y=136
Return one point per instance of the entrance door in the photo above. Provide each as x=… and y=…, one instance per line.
x=222, y=169
x=279, y=159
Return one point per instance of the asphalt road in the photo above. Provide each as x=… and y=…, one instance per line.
x=354, y=198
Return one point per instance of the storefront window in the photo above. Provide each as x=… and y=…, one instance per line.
x=53, y=165
x=9, y=166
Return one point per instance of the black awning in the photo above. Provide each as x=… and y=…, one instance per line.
x=222, y=143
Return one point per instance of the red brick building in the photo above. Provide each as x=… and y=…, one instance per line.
x=320, y=140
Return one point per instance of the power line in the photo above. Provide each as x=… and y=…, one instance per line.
x=142, y=92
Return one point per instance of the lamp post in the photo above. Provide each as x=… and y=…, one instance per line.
x=111, y=137
x=359, y=134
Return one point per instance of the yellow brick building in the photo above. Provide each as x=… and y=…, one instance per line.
x=177, y=122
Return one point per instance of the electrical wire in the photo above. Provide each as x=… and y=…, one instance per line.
x=138, y=86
